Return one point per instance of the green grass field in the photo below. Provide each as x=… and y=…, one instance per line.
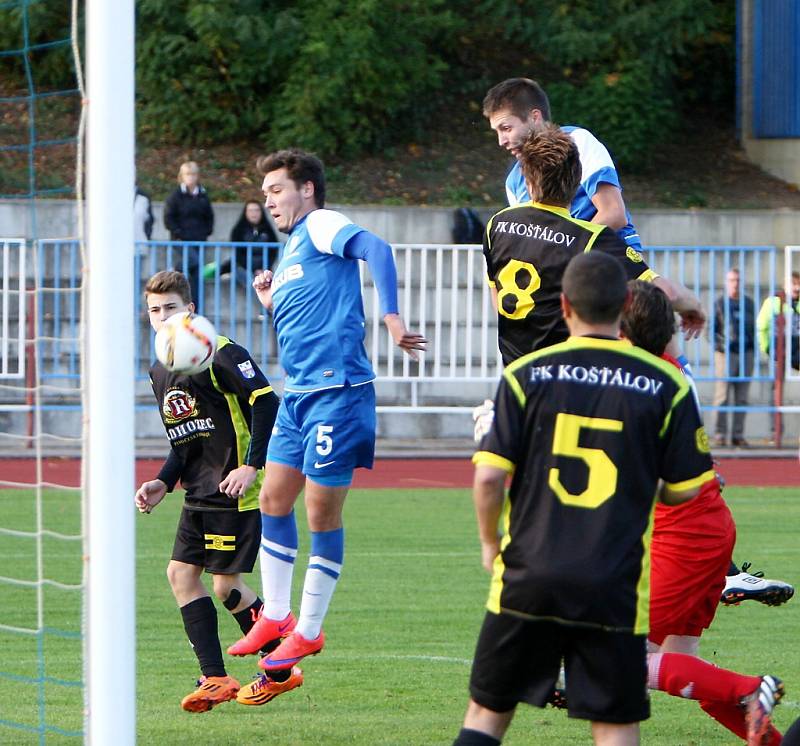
x=401, y=632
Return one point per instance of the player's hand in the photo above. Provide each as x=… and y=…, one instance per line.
x=262, y=284
x=238, y=480
x=149, y=495
x=407, y=341
x=483, y=417
x=692, y=323
x=489, y=551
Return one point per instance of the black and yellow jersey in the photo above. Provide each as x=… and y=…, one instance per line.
x=208, y=418
x=527, y=248
x=588, y=427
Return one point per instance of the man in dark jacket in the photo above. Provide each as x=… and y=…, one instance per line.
x=734, y=343
x=189, y=218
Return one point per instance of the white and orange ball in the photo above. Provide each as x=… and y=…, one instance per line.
x=186, y=343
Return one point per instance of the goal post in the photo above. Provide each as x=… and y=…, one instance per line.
x=108, y=324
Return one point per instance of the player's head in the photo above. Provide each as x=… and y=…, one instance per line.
x=513, y=108
x=593, y=293
x=551, y=165
x=795, y=288
x=165, y=294
x=294, y=185
x=189, y=174
x=648, y=320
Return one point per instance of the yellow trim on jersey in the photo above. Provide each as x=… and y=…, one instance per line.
x=641, y=624
x=259, y=392
x=498, y=568
x=648, y=275
x=487, y=458
x=689, y=484
x=249, y=500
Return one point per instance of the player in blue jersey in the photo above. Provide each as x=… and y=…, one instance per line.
x=518, y=105
x=325, y=426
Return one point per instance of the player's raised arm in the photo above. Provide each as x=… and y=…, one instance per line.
x=378, y=256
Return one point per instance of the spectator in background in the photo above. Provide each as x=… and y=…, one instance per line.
x=765, y=323
x=734, y=316
x=253, y=226
x=189, y=218
x=142, y=216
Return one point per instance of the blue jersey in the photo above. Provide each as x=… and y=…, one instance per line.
x=317, y=308
x=596, y=168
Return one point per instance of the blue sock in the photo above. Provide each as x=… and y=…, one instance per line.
x=324, y=567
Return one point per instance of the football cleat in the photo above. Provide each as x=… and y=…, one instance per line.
x=263, y=689
x=263, y=632
x=293, y=649
x=758, y=708
x=211, y=691
x=755, y=587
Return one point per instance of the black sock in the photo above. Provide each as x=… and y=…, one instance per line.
x=200, y=623
x=733, y=570
x=246, y=618
x=469, y=737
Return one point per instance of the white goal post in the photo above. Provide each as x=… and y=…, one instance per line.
x=108, y=325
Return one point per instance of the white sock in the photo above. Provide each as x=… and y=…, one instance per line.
x=317, y=592
x=276, y=578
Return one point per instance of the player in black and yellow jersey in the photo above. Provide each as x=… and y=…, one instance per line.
x=218, y=423
x=587, y=427
x=527, y=248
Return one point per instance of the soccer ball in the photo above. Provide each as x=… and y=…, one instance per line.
x=186, y=343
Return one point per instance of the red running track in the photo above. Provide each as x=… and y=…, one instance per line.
x=407, y=473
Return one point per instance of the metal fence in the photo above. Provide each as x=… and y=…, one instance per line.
x=443, y=294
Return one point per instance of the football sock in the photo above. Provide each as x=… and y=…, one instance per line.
x=246, y=618
x=733, y=570
x=469, y=737
x=200, y=623
x=733, y=718
x=324, y=567
x=693, y=678
x=277, y=555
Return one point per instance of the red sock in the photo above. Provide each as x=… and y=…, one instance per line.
x=731, y=716
x=693, y=678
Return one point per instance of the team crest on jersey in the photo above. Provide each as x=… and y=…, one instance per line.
x=633, y=255
x=246, y=369
x=178, y=405
x=701, y=439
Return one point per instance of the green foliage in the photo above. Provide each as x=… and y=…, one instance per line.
x=344, y=79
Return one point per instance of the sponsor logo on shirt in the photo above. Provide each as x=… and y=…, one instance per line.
x=294, y=272
x=178, y=405
x=246, y=369
x=701, y=439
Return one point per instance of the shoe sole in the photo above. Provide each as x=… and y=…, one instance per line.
x=204, y=704
x=770, y=597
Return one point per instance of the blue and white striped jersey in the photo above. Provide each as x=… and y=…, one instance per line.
x=596, y=168
x=317, y=307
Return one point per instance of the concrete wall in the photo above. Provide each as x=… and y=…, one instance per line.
x=57, y=219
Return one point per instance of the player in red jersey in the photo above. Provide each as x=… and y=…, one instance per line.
x=691, y=550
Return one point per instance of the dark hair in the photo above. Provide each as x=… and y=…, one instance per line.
x=551, y=165
x=648, y=321
x=594, y=284
x=520, y=95
x=300, y=166
x=169, y=281
x=243, y=229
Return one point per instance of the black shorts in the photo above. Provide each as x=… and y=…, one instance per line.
x=518, y=660
x=225, y=542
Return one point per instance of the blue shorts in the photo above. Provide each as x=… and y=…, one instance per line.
x=326, y=434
